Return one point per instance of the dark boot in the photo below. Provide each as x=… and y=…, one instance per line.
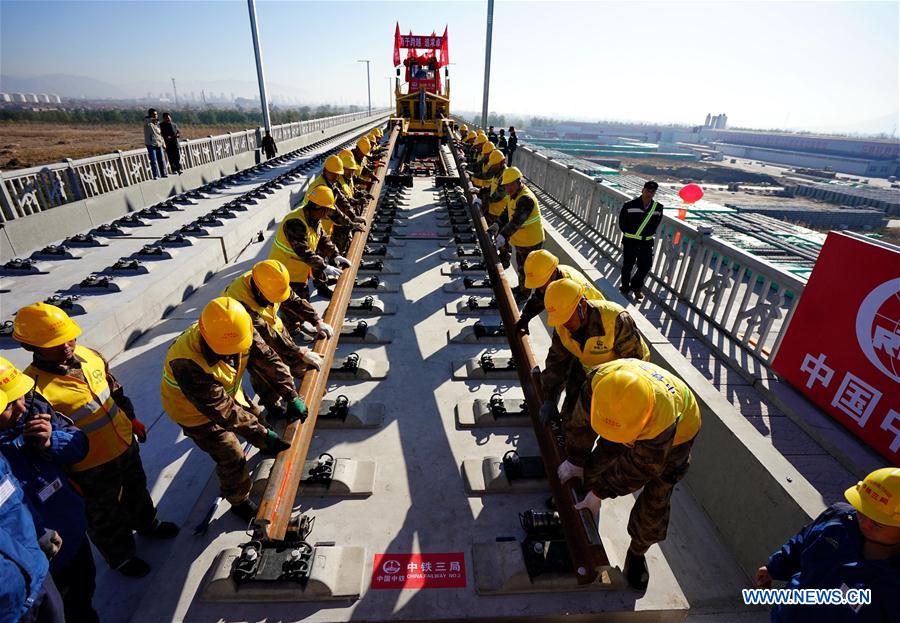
x=636, y=572
x=160, y=530
x=134, y=567
x=246, y=510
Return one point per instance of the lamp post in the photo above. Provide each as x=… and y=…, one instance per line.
x=487, y=62
x=267, y=122
x=368, y=82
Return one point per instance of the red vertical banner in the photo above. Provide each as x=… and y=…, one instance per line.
x=397, y=44
x=445, y=50
x=842, y=348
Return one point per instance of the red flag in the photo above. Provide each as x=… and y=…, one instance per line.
x=397, y=45
x=445, y=51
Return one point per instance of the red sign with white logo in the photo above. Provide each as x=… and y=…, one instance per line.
x=842, y=348
x=400, y=571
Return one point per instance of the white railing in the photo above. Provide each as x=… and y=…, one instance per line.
x=33, y=190
x=746, y=297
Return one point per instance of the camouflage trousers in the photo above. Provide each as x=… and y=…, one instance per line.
x=297, y=310
x=225, y=449
x=521, y=254
x=341, y=236
x=116, y=503
x=649, y=520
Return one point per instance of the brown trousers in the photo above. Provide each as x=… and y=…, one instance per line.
x=521, y=254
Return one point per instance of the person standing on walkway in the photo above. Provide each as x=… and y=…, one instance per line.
x=632, y=430
x=268, y=145
x=171, y=134
x=77, y=381
x=154, y=141
x=511, y=144
x=638, y=221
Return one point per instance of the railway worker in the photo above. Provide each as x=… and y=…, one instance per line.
x=494, y=194
x=304, y=248
x=643, y=420
x=587, y=332
x=261, y=291
x=360, y=153
x=520, y=225
x=341, y=222
x=481, y=170
x=40, y=443
x=359, y=196
x=541, y=269
x=477, y=146
x=850, y=545
x=638, y=221
x=77, y=381
x=201, y=392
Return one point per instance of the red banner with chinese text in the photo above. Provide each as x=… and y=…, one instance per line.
x=421, y=42
x=842, y=348
x=399, y=571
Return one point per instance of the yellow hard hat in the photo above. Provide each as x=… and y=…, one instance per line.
x=539, y=267
x=878, y=496
x=561, y=299
x=44, y=326
x=13, y=382
x=496, y=158
x=333, y=164
x=348, y=161
x=226, y=326
x=487, y=148
x=480, y=132
x=4, y=401
x=364, y=146
x=463, y=128
x=379, y=132
x=470, y=136
x=273, y=280
x=510, y=175
x=480, y=139
x=621, y=405
x=322, y=196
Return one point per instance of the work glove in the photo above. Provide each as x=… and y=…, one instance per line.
x=341, y=261
x=476, y=201
x=324, y=330
x=274, y=443
x=139, y=430
x=500, y=241
x=567, y=471
x=359, y=221
x=548, y=413
x=332, y=272
x=493, y=229
x=296, y=410
x=590, y=502
x=522, y=325
x=312, y=358
x=50, y=543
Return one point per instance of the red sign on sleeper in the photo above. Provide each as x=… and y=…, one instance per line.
x=400, y=571
x=842, y=348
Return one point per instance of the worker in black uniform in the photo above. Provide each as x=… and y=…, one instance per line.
x=638, y=221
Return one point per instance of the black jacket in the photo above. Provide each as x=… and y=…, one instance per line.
x=512, y=142
x=633, y=214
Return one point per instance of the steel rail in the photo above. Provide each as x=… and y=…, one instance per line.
x=579, y=527
x=280, y=493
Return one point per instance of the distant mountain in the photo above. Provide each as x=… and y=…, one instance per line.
x=64, y=85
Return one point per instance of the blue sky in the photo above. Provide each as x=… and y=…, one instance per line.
x=816, y=65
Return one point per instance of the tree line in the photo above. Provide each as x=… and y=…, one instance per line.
x=210, y=116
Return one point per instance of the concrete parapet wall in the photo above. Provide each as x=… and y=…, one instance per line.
x=753, y=495
x=25, y=235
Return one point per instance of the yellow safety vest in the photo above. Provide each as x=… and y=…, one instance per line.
x=282, y=251
x=673, y=401
x=532, y=231
x=496, y=208
x=591, y=293
x=90, y=405
x=187, y=346
x=598, y=349
x=478, y=166
x=241, y=290
x=327, y=223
